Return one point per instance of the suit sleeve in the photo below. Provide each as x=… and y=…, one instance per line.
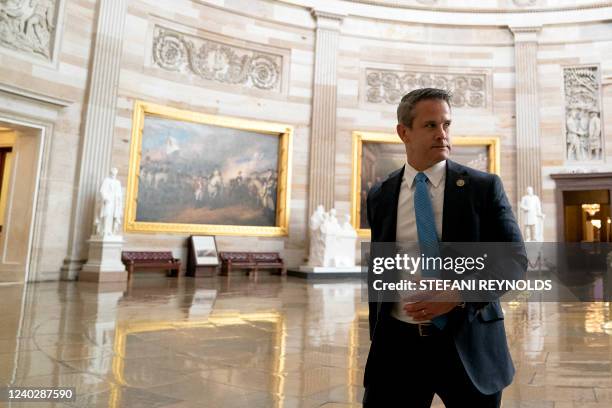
x=372, y=303
x=509, y=260
x=500, y=213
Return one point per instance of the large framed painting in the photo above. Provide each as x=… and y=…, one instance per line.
x=207, y=175
x=375, y=155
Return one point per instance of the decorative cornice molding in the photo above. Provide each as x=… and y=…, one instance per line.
x=525, y=34
x=318, y=13
x=326, y=19
x=36, y=96
x=530, y=29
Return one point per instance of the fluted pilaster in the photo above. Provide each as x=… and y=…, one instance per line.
x=529, y=164
x=324, y=100
x=97, y=138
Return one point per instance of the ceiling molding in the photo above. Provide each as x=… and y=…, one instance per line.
x=524, y=9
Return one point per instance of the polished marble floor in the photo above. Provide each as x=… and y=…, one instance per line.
x=278, y=342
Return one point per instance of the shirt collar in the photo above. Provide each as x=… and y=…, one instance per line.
x=435, y=173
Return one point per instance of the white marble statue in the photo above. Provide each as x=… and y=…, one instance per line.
x=330, y=224
x=331, y=244
x=533, y=218
x=330, y=229
x=110, y=206
x=315, y=257
x=345, y=244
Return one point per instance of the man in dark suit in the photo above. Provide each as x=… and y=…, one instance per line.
x=438, y=345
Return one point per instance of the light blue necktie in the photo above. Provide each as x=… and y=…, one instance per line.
x=426, y=229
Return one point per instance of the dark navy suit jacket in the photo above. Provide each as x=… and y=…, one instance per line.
x=476, y=210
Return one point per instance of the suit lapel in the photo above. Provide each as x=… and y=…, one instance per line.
x=455, y=188
x=387, y=210
x=388, y=206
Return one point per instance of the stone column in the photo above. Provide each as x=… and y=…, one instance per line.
x=324, y=100
x=99, y=118
x=529, y=162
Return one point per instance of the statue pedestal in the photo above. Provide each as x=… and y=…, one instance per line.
x=325, y=272
x=104, y=261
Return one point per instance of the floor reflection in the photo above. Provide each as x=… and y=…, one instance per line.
x=279, y=342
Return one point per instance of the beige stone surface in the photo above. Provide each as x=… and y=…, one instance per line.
x=370, y=37
x=275, y=343
x=66, y=79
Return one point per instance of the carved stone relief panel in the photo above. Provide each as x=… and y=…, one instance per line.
x=583, y=122
x=388, y=86
x=29, y=25
x=216, y=61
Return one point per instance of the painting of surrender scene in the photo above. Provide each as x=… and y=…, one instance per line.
x=197, y=173
x=376, y=155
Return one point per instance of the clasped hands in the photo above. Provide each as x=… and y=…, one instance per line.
x=426, y=305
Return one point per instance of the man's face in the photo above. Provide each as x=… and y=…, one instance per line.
x=428, y=141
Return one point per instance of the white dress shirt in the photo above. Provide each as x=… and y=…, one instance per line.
x=406, y=220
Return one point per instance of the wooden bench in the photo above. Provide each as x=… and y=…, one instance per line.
x=251, y=260
x=151, y=260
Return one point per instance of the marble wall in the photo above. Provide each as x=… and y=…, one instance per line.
x=281, y=37
x=54, y=71
x=561, y=47
x=370, y=47
x=285, y=99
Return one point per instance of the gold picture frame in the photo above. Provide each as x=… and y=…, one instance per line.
x=280, y=210
x=491, y=144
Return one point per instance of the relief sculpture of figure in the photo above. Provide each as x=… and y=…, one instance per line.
x=573, y=138
x=40, y=23
x=27, y=24
x=594, y=135
x=110, y=206
x=583, y=125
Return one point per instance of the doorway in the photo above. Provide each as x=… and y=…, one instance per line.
x=587, y=216
x=583, y=207
x=20, y=148
x=6, y=157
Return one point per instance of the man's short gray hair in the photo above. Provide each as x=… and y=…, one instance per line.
x=405, y=110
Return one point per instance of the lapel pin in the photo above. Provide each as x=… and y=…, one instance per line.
x=460, y=183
